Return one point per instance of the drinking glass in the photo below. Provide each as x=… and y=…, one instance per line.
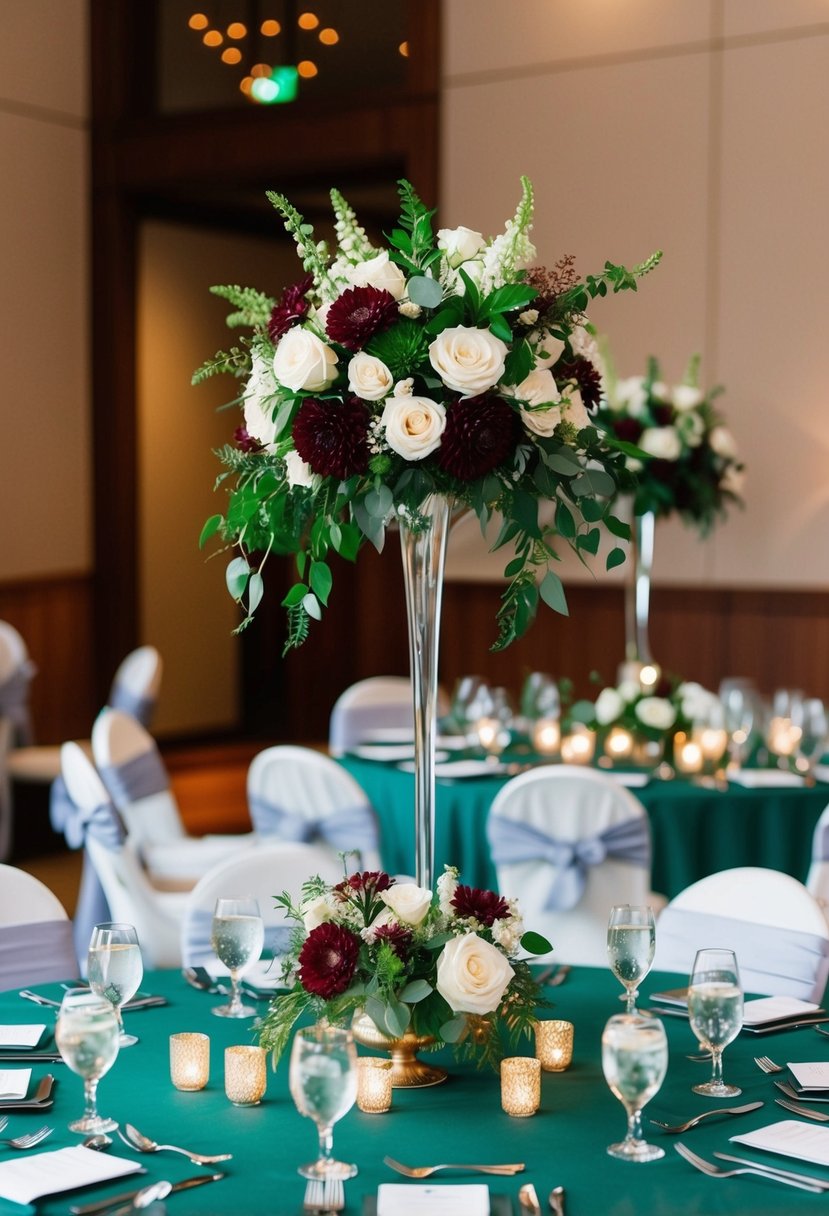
x=237, y=938
x=813, y=721
x=114, y=969
x=634, y=1062
x=87, y=1038
x=715, y=1011
x=323, y=1084
x=631, y=941
x=540, y=696
x=739, y=708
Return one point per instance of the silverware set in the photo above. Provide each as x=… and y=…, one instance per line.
x=141, y=1197
x=802, y=1181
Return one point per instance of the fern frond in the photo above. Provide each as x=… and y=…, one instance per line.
x=253, y=307
x=233, y=362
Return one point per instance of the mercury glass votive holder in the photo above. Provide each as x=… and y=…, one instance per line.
x=374, y=1087
x=245, y=1075
x=189, y=1060
x=520, y=1085
x=554, y=1045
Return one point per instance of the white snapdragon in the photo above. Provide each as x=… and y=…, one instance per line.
x=446, y=887
x=508, y=931
x=260, y=398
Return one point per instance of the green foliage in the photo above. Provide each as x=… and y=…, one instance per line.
x=253, y=308
x=235, y=362
x=401, y=348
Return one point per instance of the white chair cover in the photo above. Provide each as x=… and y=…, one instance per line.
x=817, y=881
x=571, y=806
x=16, y=672
x=6, y=817
x=378, y=702
x=297, y=794
x=262, y=873
x=136, y=684
x=35, y=933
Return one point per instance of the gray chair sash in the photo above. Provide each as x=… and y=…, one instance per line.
x=14, y=703
x=139, y=707
x=349, y=726
x=512, y=841
x=347, y=829
x=36, y=953
x=138, y=778
x=774, y=961
x=196, y=950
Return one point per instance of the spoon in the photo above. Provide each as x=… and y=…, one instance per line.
x=556, y=1200
x=146, y=1196
x=528, y=1199
x=136, y=1140
x=98, y=1142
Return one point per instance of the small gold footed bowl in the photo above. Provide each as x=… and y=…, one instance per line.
x=407, y=1071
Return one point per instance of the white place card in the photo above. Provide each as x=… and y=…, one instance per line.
x=631, y=780
x=21, y=1036
x=390, y=752
x=24, y=1179
x=790, y=1138
x=14, y=1082
x=811, y=1076
x=402, y=1199
x=774, y=1009
x=761, y=778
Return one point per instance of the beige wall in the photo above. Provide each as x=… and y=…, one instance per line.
x=698, y=127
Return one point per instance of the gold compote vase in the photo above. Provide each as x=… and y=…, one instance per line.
x=407, y=1071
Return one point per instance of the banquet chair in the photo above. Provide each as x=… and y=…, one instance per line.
x=16, y=672
x=817, y=880
x=377, y=703
x=571, y=843
x=775, y=927
x=114, y=885
x=297, y=794
x=261, y=873
x=35, y=932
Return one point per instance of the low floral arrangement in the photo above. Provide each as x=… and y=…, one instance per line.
x=443, y=364
x=687, y=460
x=442, y=965
x=656, y=713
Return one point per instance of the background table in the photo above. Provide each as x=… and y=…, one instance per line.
x=461, y=1120
x=695, y=831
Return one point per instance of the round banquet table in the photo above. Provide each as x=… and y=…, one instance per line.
x=694, y=830
x=460, y=1120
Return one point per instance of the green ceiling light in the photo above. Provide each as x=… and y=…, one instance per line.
x=276, y=89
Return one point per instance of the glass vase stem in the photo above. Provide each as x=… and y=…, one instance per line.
x=423, y=548
x=638, y=589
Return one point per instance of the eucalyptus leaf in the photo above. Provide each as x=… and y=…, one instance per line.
x=398, y=1017
x=256, y=589
x=416, y=991
x=379, y=501
x=236, y=577
x=424, y=291
x=562, y=462
x=552, y=593
x=594, y=482
x=453, y=1030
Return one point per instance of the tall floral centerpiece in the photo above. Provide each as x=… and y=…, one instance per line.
x=397, y=384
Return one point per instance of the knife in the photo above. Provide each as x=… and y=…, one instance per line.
x=90, y=1209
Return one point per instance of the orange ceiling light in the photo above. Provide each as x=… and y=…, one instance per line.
x=308, y=21
x=404, y=49
x=307, y=68
x=329, y=36
x=198, y=21
x=270, y=28
x=213, y=38
x=236, y=30
x=260, y=69
x=232, y=55
x=245, y=84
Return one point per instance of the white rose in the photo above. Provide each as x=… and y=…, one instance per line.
x=686, y=397
x=408, y=902
x=539, y=389
x=691, y=428
x=302, y=361
x=656, y=712
x=630, y=395
x=733, y=480
x=661, y=441
x=369, y=377
x=723, y=443
x=316, y=912
x=472, y=975
x=629, y=690
x=379, y=272
x=575, y=409
x=468, y=360
x=260, y=398
x=547, y=348
x=297, y=472
x=459, y=244
x=609, y=705
x=413, y=425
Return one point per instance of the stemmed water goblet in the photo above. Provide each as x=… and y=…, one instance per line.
x=634, y=1062
x=323, y=1083
x=115, y=969
x=739, y=711
x=237, y=938
x=715, y=1012
x=87, y=1039
x=631, y=942
x=813, y=720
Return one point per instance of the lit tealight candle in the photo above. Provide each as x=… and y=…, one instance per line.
x=619, y=743
x=520, y=1085
x=374, y=1086
x=712, y=742
x=783, y=736
x=649, y=677
x=689, y=757
x=189, y=1060
x=554, y=1045
x=245, y=1075
x=578, y=747
x=488, y=731
x=547, y=736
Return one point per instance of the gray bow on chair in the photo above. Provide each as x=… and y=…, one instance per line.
x=138, y=778
x=512, y=841
x=14, y=703
x=353, y=828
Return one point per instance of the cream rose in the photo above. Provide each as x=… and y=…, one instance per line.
x=608, y=707
x=539, y=390
x=661, y=441
x=260, y=398
x=472, y=975
x=459, y=244
x=722, y=443
x=691, y=428
x=413, y=425
x=686, y=397
x=575, y=410
x=369, y=377
x=379, y=272
x=468, y=360
x=316, y=912
x=408, y=902
x=656, y=712
x=297, y=472
x=629, y=690
x=302, y=361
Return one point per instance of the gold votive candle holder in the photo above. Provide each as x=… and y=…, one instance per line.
x=189, y=1060
x=554, y=1045
x=245, y=1075
x=520, y=1085
x=579, y=745
x=374, y=1087
x=546, y=736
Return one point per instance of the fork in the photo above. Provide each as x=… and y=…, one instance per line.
x=796, y=1109
x=423, y=1171
x=689, y=1123
x=714, y=1171
x=29, y=1140
x=334, y=1195
x=767, y=1065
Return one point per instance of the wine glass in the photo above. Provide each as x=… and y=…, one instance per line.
x=87, y=1038
x=114, y=969
x=739, y=709
x=631, y=941
x=813, y=721
x=715, y=1011
x=237, y=938
x=540, y=696
x=323, y=1084
x=634, y=1062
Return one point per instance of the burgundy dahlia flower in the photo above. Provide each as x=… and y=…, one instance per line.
x=244, y=441
x=370, y=881
x=327, y=960
x=663, y=413
x=481, y=433
x=398, y=938
x=359, y=314
x=484, y=906
x=290, y=308
x=332, y=436
x=586, y=377
x=628, y=429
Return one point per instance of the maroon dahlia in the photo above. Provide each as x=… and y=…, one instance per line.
x=628, y=429
x=398, y=938
x=244, y=441
x=484, y=906
x=481, y=433
x=327, y=960
x=586, y=377
x=290, y=308
x=359, y=314
x=370, y=882
x=332, y=436
x=663, y=413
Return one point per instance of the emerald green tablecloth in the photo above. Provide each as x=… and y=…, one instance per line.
x=460, y=1120
x=695, y=831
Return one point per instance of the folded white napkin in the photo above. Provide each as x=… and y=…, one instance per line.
x=14, y=1082
x=759, y=778
x=21, y=1036
x=402, y=1199
x=791, y=1138
x=811, y=1076
x=631, y=780
x=773, y=1008
x=469, y=768
x=24, y=1179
